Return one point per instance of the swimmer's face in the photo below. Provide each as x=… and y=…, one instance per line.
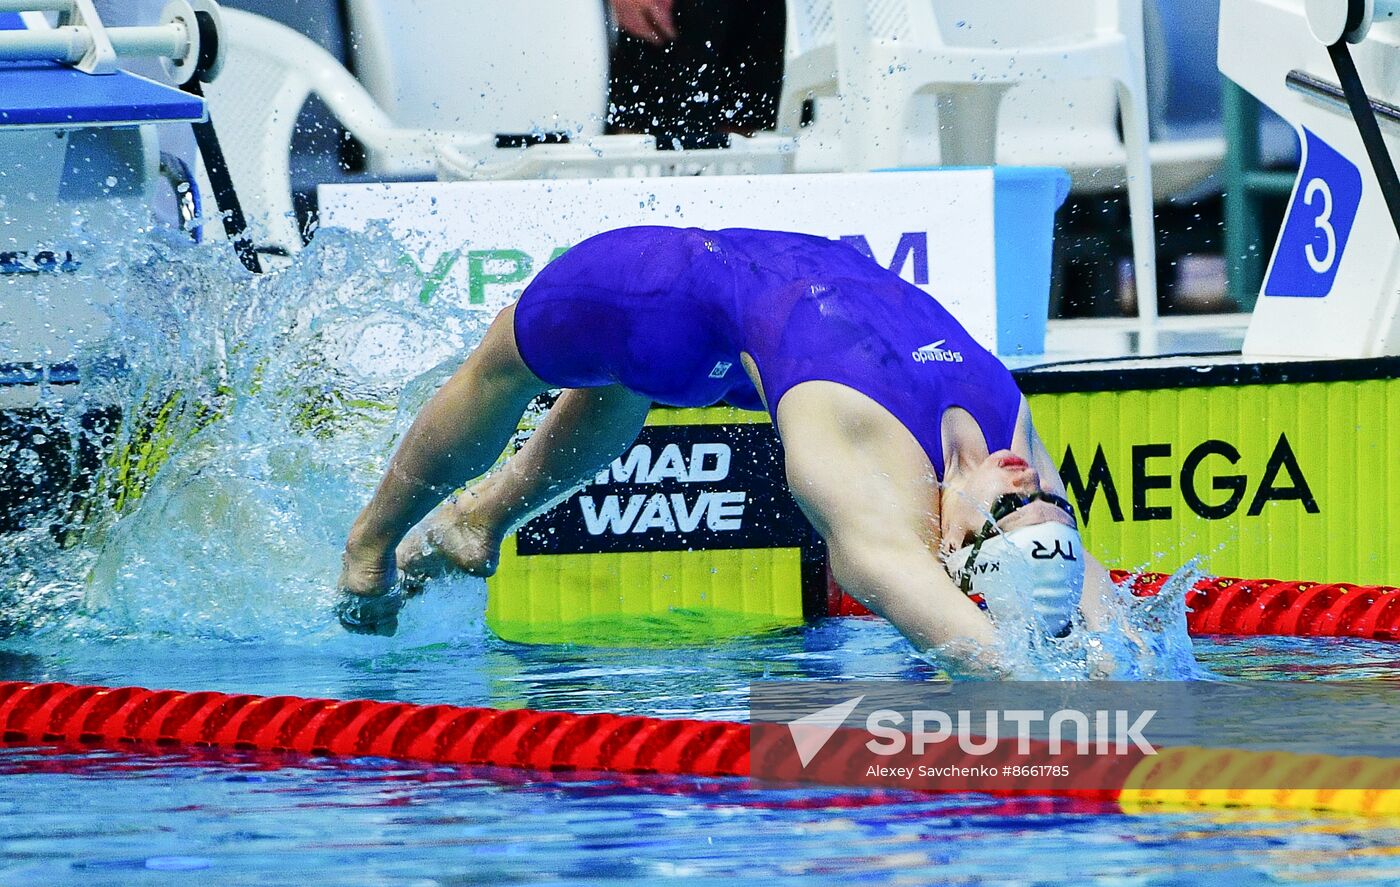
x=968, y=496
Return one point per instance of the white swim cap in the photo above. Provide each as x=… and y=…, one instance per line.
x=1032, y=572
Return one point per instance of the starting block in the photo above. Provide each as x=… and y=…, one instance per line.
x=80, y=166
x=1333, y=284
x=73, y=144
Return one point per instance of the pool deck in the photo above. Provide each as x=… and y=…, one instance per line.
x=1084, y=342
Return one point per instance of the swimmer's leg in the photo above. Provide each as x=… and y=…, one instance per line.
x=869, y=489
x=584, y=430
x=458, y=434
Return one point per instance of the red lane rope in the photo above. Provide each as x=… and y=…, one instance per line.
x=625, y=747
x=41, y=714
x=1251, y=606
x=130, y=718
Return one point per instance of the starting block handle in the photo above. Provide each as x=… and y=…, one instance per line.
x=186, y=40
x=70, y=44
x=82, y=31
x=66, y=44
x=1335, y=23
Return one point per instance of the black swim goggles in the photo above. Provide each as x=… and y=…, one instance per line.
x=1002, y=508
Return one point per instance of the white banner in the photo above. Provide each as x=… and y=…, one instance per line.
x=486, y=240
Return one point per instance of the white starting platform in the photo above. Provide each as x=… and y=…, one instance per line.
x=81, y=172
x=1333, y=285
x=1280, y=461
x=80, y=167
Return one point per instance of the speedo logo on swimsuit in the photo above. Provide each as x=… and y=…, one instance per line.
x=934, y=352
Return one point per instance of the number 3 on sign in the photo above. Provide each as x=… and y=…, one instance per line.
x=1318, y=224
x=1323, y=221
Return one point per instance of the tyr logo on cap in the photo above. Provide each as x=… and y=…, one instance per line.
x=1040, y=552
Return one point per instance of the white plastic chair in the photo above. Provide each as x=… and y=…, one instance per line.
x=532, y=68
x=923, y=82
x=809, y=74
x=1184, y=85
x=269, y=74
x=809, y=67
x=1073, y=124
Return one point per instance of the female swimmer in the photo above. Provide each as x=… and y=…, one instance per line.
x=908, y=446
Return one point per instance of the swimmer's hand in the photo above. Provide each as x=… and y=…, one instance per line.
x=369, y=601
x=377, y=614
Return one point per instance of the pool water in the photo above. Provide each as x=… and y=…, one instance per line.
x=278, y=400
x=104, y=818
x=166, y=820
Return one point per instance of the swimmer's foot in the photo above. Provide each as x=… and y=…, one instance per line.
x=452, y=538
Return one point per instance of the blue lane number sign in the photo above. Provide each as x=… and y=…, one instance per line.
x=1318, y=225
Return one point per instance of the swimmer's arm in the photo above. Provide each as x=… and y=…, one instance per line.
x=1100, y=596
x=1097, y=604
x=907, y=585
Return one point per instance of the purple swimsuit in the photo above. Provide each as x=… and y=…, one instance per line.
x=665, y=312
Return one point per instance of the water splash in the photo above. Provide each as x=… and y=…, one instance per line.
x=1138, y=638
x=257, y=413
x=1113, y=634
